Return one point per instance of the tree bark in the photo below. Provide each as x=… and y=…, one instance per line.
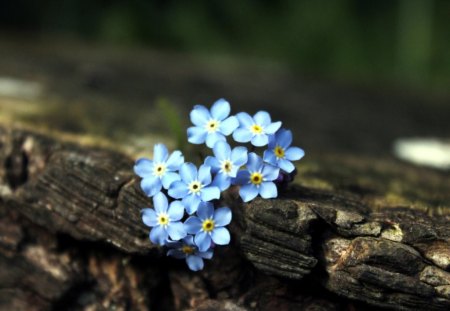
x=370, y=232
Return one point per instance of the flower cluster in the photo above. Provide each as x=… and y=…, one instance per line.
x=188, y=222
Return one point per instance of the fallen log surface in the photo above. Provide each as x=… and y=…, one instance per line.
x=351, y=233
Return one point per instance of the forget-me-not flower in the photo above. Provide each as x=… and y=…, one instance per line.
x=186, y=249
x=211, y=126
x=164, y=219
x=159, y=172
x=194, y=186
x=280, y=153
x=256, y=129
x=257, y=179
x=226, y=163
x=209, y=225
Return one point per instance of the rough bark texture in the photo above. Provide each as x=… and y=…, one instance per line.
x=352, y=233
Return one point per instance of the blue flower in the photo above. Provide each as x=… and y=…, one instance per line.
x=257, y=179
x=194, y=186
x=280, y=153
x=256, y=129
x=208, y=226
x=226, y=163
x=160, y=172
x=186, y=249
x=211, y=127
x=164, y=219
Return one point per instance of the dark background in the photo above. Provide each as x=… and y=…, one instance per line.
x=345, y=75
x=404, y=41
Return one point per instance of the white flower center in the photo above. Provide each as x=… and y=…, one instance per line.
x=188, y=250
x=208, y=225
x=159, y=169
x=256, y=129
x=212, y=126
x=279, y=152
x=226, y=166
x=195, y=187
x=256, y=178
x=163, y=219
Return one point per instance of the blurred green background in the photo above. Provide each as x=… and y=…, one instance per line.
x=405, y=42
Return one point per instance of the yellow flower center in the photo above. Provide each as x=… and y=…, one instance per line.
x=256, y=129
x=256, y=178
x=195, y=187
x=279, y=152
x=163, y=219
x=227, y=166
x=159, y=170
x=212, y=126
x=188, y=250
x=208, y=225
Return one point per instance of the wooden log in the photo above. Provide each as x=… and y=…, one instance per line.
x=71, y=234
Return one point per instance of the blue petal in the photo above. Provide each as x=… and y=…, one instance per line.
x=213, y=138
x=272, y=128
x=207, y=255
x=196, y=135
x=188, y=172
x=254, y=163
x=234, y=171
x=210, y=193
x=242, y=178
x=220, y=236
x=222, y=216
x=189, y=240
x=204, y=174
x=284, y=138
x=262, y=118
x=222, y=181
x=245, y=120
x=268, y=190
x=178, y=190
x=160, y=203
x=270, y=172
x=294, y=153
x=195, y=263
x=242, y=135
x=193, y=225
x=205, y=210
x=175, y=245
x=169, y=178
x=228, y=125
x=248, y=192
x=160, y=153
x=239, y=156
x=270, y=157
x=272, y=141
x=222, y=150
x=203, y=241
x=220, y=109
x=175, y=160
x=213, y=163
x=176, y=253
x=191, y=203
x=151, y=185
x=158, y=235
x=149, y=217
x=200, y=115
x=143, y=167
x=286, y=165
x=260, y=140
x=176, y=230
x=176, y=211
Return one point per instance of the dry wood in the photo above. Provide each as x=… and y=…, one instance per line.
x=71, y=237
